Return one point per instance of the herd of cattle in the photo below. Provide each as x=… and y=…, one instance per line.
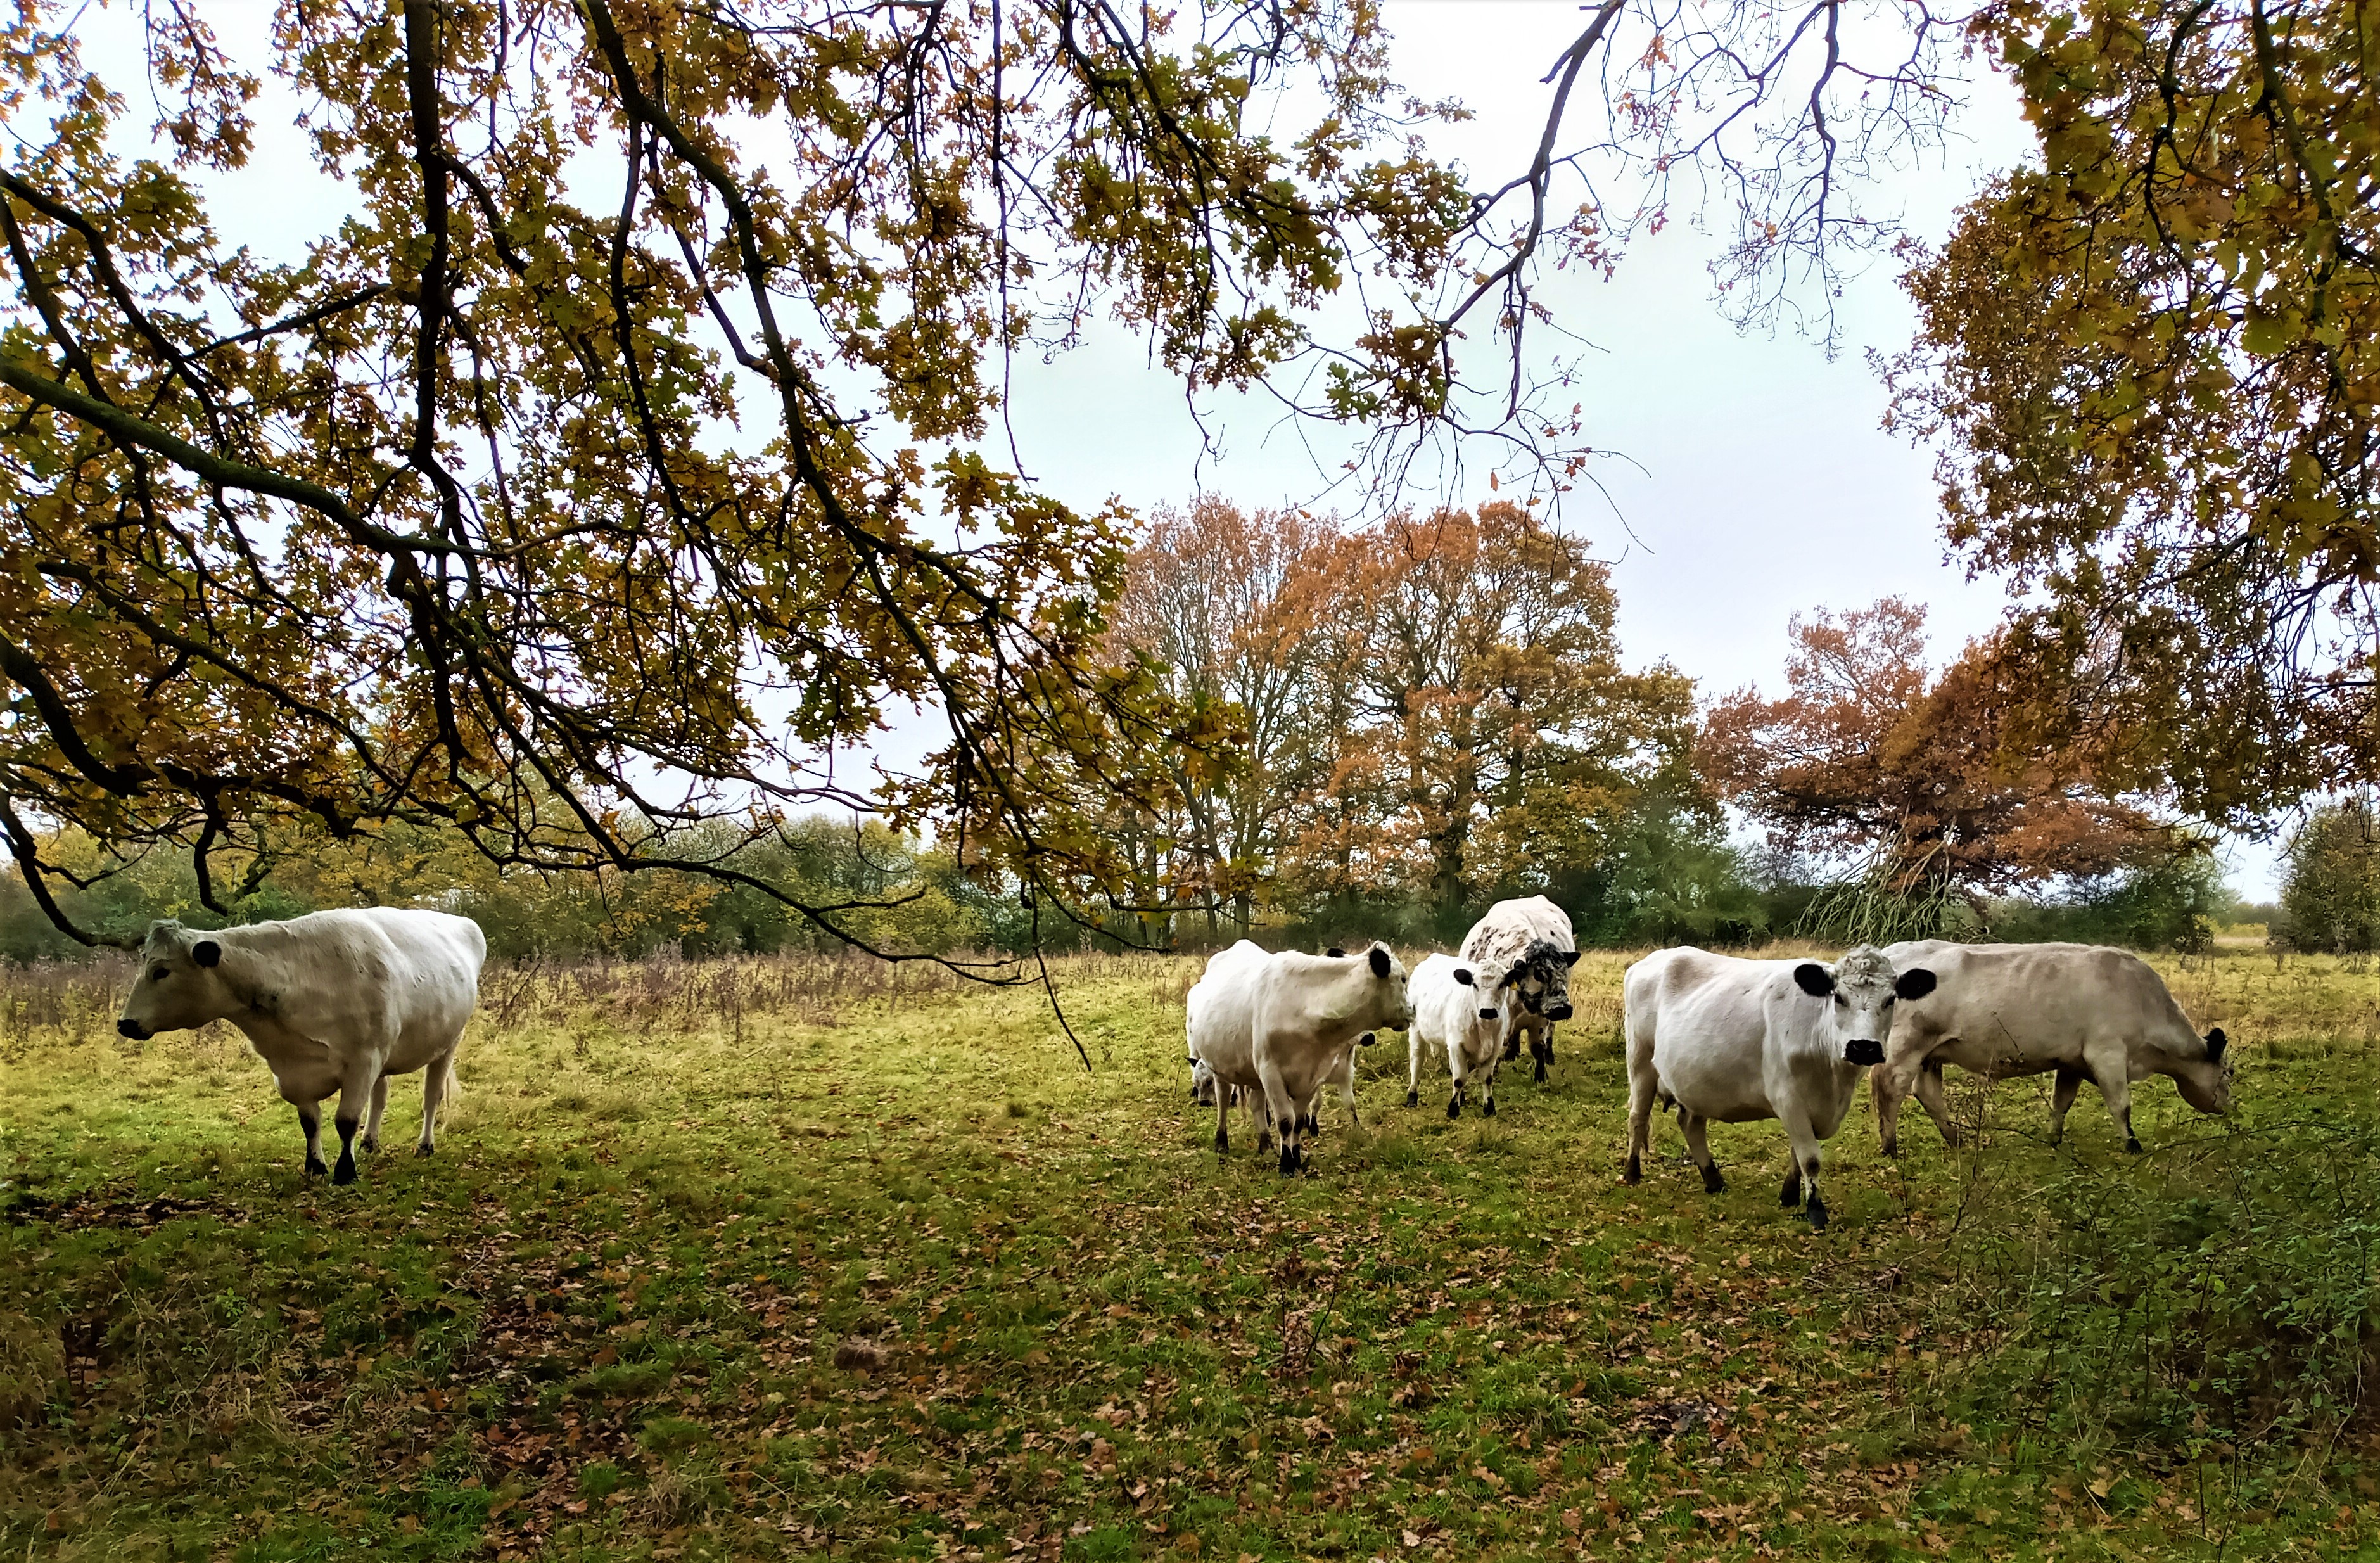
x=337, y=1002
x=1716, y=1037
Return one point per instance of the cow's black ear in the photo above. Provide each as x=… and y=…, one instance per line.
x=2215, y=1043
x=1335, y=952
x=1569, y=957
x=1380, y=961
x=1914, y=982
x=206, y=952
x=1814, y=979
x=1463, y=976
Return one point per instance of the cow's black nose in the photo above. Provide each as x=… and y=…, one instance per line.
x=133, y=1029
x=1864, y=1052
x=1557, y=1012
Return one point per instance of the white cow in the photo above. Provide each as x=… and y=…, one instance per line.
x=2085, y=1012
x=1452, y=1011
x=1736, y=1040
x=1522, y=953
x=1285, y=1024
x=333, y=1001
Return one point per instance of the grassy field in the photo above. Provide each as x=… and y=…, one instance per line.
x=803, y=1259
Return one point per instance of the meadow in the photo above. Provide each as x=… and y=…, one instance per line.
x=816, y=1258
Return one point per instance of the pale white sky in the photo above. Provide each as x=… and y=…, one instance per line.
x=1750, y=481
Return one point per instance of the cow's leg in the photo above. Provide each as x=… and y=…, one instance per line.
x=1890, y=1084
x=1929, y=1096
x=379, y=1108
x=1487, y=1089
x=1804, y=1141
x=433, y=1097
x=1413, y=1066
x=1458, y=1064
x=2113, y=1071
x=1698, y=1146
x=309, y=1120
x=355, y=1089
x=1643, y=1085
x=1791, y=1196
x=1223, y=1118
x=1541, y=1050
x=2061, y=1102
x=1513, y=1037
x=1347, y=1088
x=1283, y=1108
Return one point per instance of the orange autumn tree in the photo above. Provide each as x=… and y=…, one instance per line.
x=1932, y=783
x=1486, y=733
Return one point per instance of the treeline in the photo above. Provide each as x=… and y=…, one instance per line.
x=1427, y=714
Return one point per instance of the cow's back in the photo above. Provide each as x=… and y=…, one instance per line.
x=2041, y=1003
x=1508, y=929
x=368, y=976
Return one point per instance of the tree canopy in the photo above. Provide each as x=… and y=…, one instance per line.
x=628, y=445
x=2151, y=361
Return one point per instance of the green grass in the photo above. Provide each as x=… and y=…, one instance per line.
x=816, y=1262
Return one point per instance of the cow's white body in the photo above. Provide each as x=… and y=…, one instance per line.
x=1285, y=1024
x=2080, y=1010
x=1447, y=1002
x=1522, y=953
x=1732, y=1040
x=334, y=1002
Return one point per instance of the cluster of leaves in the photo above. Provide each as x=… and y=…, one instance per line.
x=2153, y=361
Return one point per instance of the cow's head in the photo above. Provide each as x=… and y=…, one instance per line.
x=1384, y=1005
x=1862, y=988
x=2205, y=1084
x=181, y=983
x=1539, y=981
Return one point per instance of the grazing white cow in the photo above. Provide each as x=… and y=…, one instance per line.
x=1525, y=947
x=1286, y=1025
x=2082, y=1011
x=1735, y=1040
x=333, y=1001
x=1452, y=1012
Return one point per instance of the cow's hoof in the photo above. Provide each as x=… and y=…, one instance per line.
x=316, y=1167
x=1951, y=1137
x=369, y=1147
x=2133, y=1146
x=1634, y=1174
x=346, y=1172
x=1289, y=1160
x=423, y=1150
x=1891, y=1148
x=1541, y=1071
x=1792, y=1195
x=1455, y=1107
x=1712, y=1181
x=1815, y=1215
x=1413, y=1098
x=1489, y=1107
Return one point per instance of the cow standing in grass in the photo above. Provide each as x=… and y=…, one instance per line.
x=2080, y=1011
x=1734, y=1041
x=1453, y=1013
x=1284, y=1024
x=335, y=1002
x=1522, y=953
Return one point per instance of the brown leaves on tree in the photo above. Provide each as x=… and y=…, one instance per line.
x=1936, y=780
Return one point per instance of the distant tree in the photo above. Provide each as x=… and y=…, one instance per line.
x=1488, y=733
x=2330, y=882
x=1925, y=781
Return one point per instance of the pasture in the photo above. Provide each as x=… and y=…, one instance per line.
x=813, y=1259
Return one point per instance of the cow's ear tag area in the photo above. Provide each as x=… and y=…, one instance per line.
x=1814, y=979
x=1463, y=976
x=206, y=952
x=1570, y=957
x=1336, y=953
x=1914, y=984
x=2215, y=1043
x=1380, y=962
